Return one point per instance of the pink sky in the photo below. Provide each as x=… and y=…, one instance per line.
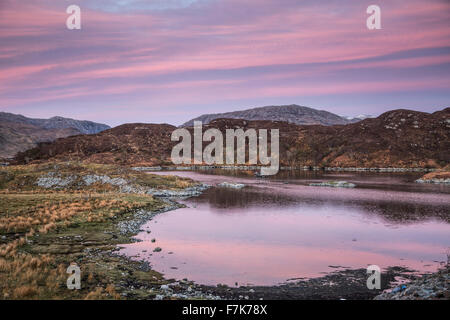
x=168, y=61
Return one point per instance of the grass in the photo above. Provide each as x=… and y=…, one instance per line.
x=42, y=231
x=437, y=175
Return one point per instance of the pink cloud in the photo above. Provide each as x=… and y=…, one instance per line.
x=115, y=53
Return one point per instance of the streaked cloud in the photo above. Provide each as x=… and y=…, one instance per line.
x=191, y=57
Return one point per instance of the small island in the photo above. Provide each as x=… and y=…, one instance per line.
x=334, y=184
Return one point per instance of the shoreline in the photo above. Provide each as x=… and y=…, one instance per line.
x=345, y=285
x=282, y=168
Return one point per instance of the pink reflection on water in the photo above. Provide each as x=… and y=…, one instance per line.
x=322, y=192
x=266, y=244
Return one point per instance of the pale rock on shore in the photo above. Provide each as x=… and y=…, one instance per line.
x=433, y=286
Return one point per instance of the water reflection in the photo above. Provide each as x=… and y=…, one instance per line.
x=271, y=231
x=390, y=210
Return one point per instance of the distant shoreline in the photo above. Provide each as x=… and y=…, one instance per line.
x=285, y=168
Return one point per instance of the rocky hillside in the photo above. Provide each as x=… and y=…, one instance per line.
x=82, y=126
x=133, y=143
x=291, y=113
x=19, y=133
x=399, y=138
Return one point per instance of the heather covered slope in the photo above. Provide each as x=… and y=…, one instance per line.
x=399, y=138
x=134, y=143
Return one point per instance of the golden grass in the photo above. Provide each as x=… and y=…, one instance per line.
x=439, y=174
x=29, y=215
x=26, y=276
x=100, y=293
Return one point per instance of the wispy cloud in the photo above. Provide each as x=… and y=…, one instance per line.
x=177, y=54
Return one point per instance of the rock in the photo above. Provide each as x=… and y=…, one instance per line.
x=187, y=192
x=91, y=179
x=430, y=286
x=158, y=168
x=231, y=185
x=435, y=181
x=334, y=184
x=54, y=181
x=183, y=168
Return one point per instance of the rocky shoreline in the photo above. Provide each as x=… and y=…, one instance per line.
x=53, y=180
x=342, y=284
x=434, y=181
x=436, y=177
x=302, y=168
x=334, y=184
x=433, y=286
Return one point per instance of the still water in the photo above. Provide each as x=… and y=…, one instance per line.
x=281, y=229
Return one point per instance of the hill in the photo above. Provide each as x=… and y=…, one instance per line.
x=398, y=138
x=290, y=113
x=19, y=133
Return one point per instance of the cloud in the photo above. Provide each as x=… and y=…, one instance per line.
x=181, y=53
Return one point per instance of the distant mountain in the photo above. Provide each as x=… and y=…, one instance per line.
x=358, y=118
x=291, y=113
x=398, y=138
x=83, y=126
x=19, y=133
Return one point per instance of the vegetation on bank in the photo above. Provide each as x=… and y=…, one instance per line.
x=438, y=176
x=43, y=230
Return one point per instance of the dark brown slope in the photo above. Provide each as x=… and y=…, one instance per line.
x=399, y=138
x=133, y=143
